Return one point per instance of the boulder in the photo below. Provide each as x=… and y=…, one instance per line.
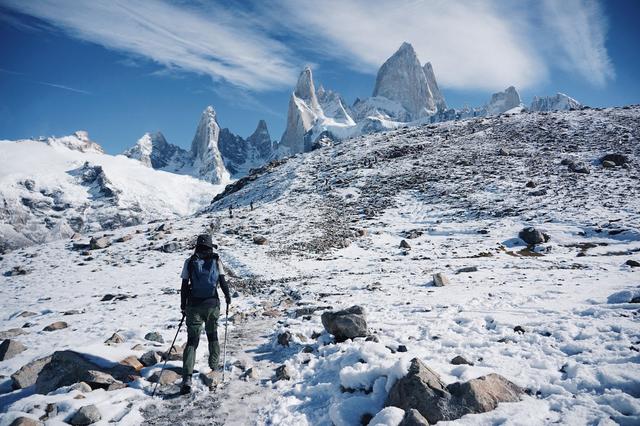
x=423, y=390
x=10, y=348
x=114, y=339
x=168, y=377
x=420, y=389
x=578, y=167
x=413, y=417
x=460, y=360
x=150, y=358
x=284, y=338
x=58, y=325
x=282, y=373
x=154, y=336
x=86, y=415
x=483, y=394
x=132, y=362
x=28, y=374
x=404, y=244
x=25, y=421
x=170, y=247
x=345, y=324
x=81, y=387
x=616, y=159
x=68, y=367
x=632, y=263
x=440, y=280
x=608, y=164
x=259, y=240
x=533, y=236
x=12, y=332
x=124, y=238
x=99, y=243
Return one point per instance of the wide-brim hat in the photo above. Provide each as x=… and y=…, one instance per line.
x=204, y=240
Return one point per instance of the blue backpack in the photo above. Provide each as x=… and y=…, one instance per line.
x=204, y=276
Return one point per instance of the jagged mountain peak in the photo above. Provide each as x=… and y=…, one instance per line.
x=305, y=89
x=402, y=79
x=558, y=102
x=503, y=101
x=433, y=87
x=78, y=141
x=205, y=151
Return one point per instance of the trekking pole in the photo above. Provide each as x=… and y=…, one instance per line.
x=167, y=357
x=224, y=356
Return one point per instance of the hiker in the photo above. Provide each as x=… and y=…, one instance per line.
x=231, y=211
x=251, y=205
x=201, y=274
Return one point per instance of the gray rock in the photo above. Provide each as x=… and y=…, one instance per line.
x=616, y=159
x=423, y=390
x=114, y=339
x=99, y=243
x=412, y=417
x=284, y=338
x=10, y=348
x=25, y=421
x=150, y=358
x=440, y=280
x=632, y=263
x=154, y=336
x=67, y=367
x=404, y=244
x=58, y=325
x=467, y=269
x=26, y=314
x=28, y=374
x=532, y=236
x=282, y=373
x=259, y=240
x=86, y=415
x=460, y=360
x=168, y=377
x=124, y=238
x=578, y=167
x=81, y=387
x=170, y=247
x=12, y=332
x=483, y=394
x=608, y=164
x=345, y=324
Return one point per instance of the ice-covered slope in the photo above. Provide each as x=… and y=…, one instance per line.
x=333, y=221
x=48, y=191
x=559, y=102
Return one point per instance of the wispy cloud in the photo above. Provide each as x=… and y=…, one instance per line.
x=579, y=30
x=207, y=41
x=256, y=45
x=25, y=77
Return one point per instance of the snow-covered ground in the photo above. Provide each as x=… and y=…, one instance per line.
x=333, y=219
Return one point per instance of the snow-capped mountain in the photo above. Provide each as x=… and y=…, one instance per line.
x=153, y=150
x=215, y=156
x=55, y=187
x=207, y=159
x=402, y=79
x=502, y=102
x=405, y=92
x=559, y=102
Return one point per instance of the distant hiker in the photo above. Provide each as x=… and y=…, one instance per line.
x=231, y=211
x=201, y=274
x=251, y=205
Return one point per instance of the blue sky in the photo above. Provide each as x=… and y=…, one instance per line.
x=121, y=68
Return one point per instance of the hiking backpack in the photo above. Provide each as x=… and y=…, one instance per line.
x=204, y=276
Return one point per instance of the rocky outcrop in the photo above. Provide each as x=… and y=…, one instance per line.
x=153, y=150
x=304, y=111
x=78, y=141
x=402, y=79
x=559, y=102
x=260, y=141
x=10, y=348
x=207, y=159
x=441, y=105
x=346, y=324
x=423, y=390
x=503, y=101
x=333, y=106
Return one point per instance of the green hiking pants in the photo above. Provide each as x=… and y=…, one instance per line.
x=196, y=317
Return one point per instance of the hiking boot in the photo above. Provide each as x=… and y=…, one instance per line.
x=186, y=385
